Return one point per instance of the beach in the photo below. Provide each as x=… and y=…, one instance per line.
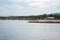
x=44, y=21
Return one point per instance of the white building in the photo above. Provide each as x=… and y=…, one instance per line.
x=50, y=18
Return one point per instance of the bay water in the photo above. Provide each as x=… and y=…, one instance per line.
x=22, y=30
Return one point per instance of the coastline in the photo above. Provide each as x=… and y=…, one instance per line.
x=41, y=21
x=44, y=21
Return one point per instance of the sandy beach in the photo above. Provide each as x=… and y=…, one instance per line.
x=44, y=21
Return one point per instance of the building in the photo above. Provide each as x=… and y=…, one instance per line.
x=50, y=18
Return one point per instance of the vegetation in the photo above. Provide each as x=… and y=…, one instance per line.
x=37, y=17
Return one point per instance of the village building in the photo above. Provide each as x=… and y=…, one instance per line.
x=50, y=18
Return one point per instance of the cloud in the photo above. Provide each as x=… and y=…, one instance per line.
x=28, y=7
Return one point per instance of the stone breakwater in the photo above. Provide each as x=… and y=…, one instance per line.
x=44, y=21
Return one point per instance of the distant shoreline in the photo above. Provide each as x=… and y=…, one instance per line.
x=44, y=21
x=40, y=21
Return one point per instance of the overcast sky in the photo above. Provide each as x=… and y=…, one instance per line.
x=28, y=7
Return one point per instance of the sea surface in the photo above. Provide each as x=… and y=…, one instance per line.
x=22, y=30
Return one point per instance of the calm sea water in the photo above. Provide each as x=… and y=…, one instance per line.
x=21, y=30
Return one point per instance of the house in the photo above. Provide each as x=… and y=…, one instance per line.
x=50, y=18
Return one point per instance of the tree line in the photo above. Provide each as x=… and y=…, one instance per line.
x=34, y=17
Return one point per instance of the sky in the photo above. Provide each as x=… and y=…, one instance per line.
x=28, y=7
